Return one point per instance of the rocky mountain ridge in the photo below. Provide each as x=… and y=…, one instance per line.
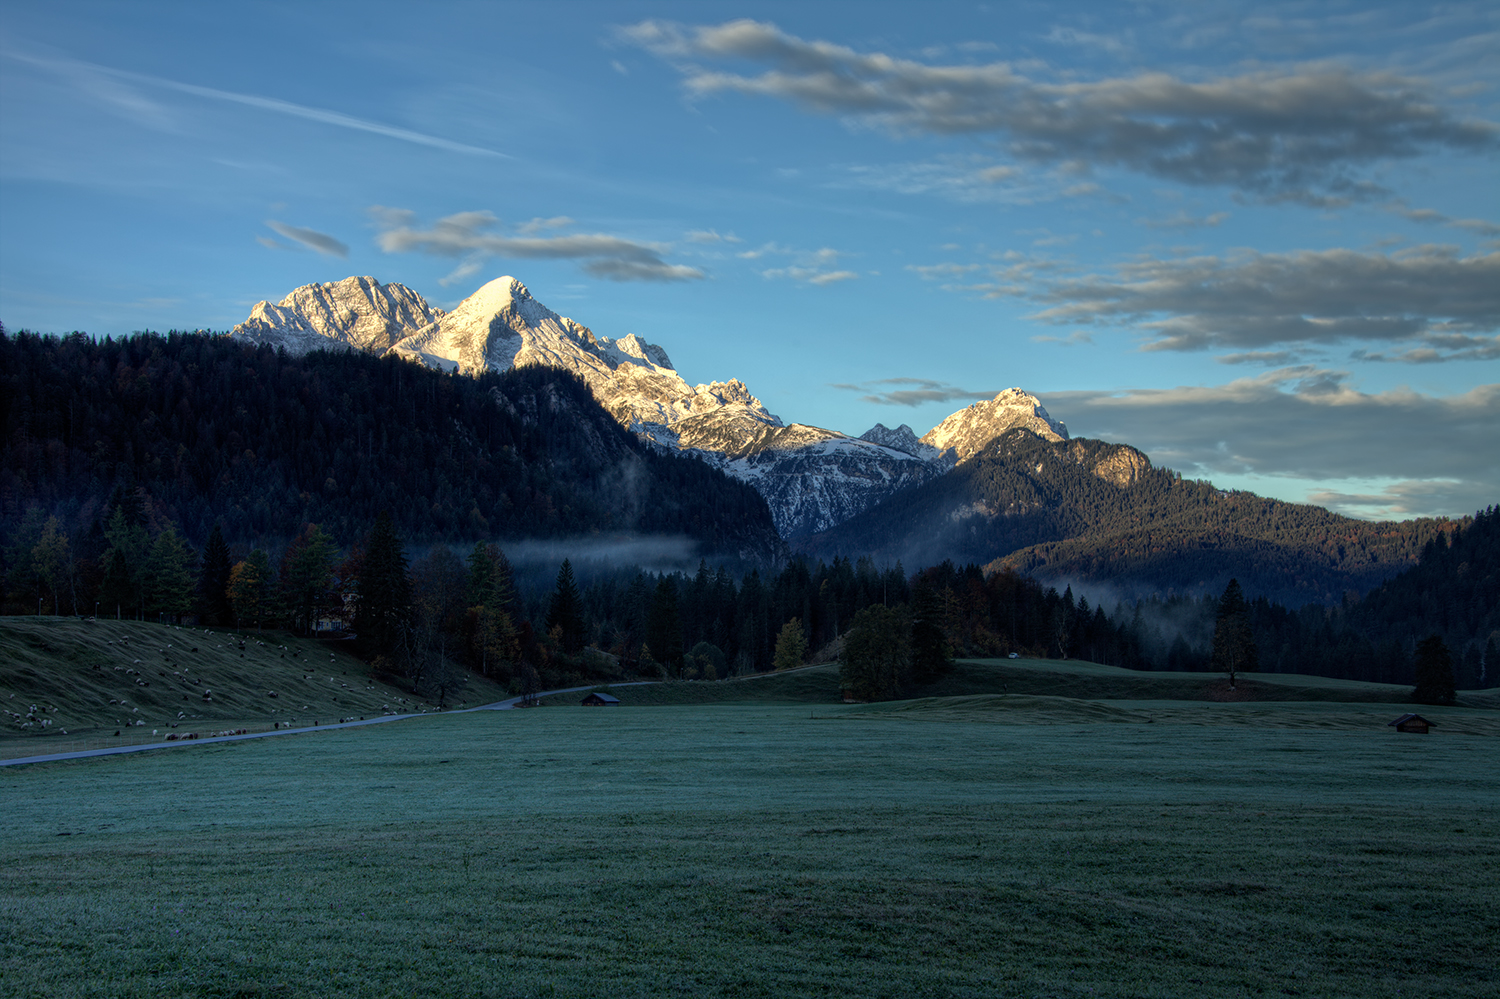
x=813, y=478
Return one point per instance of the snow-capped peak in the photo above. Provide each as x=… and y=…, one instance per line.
x=967, y=431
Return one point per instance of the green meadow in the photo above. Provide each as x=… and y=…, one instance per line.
x=987, y=844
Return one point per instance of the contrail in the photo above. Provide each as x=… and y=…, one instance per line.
x=264, y=103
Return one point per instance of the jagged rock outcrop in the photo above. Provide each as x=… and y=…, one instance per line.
x=903, y=438
x=970, y=429
x=357, y=312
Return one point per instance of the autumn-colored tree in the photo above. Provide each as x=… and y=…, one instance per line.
x=791, y=646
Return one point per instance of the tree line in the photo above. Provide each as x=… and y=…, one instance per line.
x=216, y=430
x=436, y=618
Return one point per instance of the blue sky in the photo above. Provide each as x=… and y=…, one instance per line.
x=1259, y=241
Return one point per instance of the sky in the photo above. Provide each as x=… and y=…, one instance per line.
x=1260, y=242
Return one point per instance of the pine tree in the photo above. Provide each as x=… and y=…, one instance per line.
x=384, y=605
x=1234, y=646
x=306, y=572
x=566, y=612
x=114, y=589
x=481, y=576
x=930, y=655
x=1434, y=673
x=213, y=581
x=51, y=562
x=169, y=576
x=132, y=544
x=664, y=626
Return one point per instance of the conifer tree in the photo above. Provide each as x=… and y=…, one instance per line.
x=306, y=572
x=52, y=563
x=664, y=626
x=168, y=575
x=930, y=655
x=115, y=590
x=566, y=612
x=383, y=608
x=1234, y=646
x=1434, y=673
x=213, y=580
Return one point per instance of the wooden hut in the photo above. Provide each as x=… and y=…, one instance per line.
x=1411, y=723
x=598, y=700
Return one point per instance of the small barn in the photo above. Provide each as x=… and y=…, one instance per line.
x=598, y=700
x=1411, y=723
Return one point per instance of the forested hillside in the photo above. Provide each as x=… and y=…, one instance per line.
x=1059, y=511
x=209, y=430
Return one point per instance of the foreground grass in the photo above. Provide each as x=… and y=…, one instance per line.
x=94, y=679
x=754, y=850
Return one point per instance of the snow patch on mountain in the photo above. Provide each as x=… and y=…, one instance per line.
x=967, y=431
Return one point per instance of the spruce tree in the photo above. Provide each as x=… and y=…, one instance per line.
x=1234, y=646
x=169, y=576
x=930, y=655
x=481, y=576
x=115, y=590
x=213, y=581
x=566, y=612
x=664, y=626
x=384, y=597
x=1434, y=673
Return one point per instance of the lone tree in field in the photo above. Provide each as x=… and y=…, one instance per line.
x=791, y=646
x=1434, y=673
x=1234, y=646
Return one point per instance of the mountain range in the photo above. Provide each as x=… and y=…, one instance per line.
x=999, y=483
x=812, y=478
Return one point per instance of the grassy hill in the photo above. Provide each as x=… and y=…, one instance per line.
x=91, y=680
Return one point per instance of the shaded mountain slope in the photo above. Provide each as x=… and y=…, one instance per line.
x=1086, y=510
x=214, y=428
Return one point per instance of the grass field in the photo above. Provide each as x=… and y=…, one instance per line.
x=90, y=680
x=768, y=849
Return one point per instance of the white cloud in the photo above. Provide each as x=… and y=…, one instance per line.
x=909, y=391
x=1306, y=423
x=1260, y=300
x=1292, y=135
x=310, y=238
x=470, y=235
